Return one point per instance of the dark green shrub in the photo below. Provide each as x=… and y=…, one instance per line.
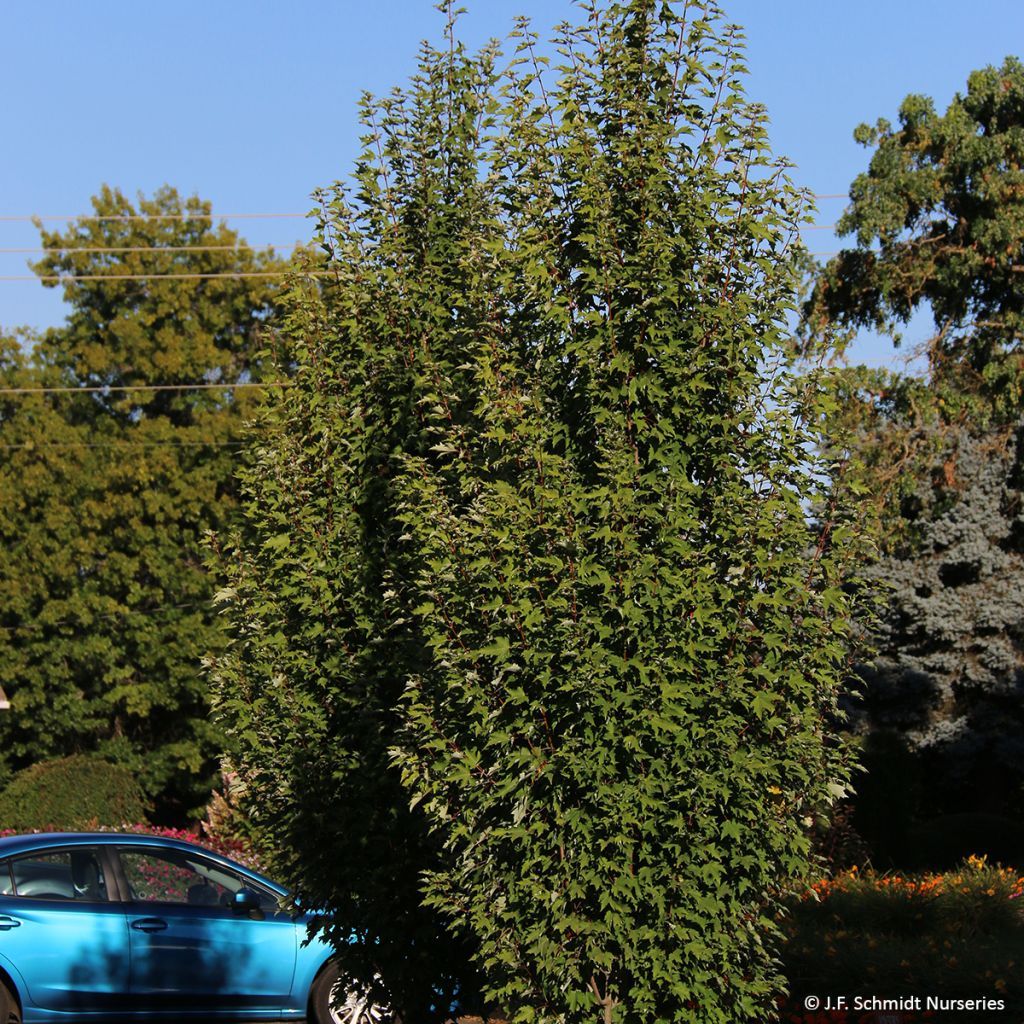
x=74, y=792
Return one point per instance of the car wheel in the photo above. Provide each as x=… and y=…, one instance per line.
x=8, y=1006
x=332, y=1003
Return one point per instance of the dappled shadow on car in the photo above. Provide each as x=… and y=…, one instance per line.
x=204, y=986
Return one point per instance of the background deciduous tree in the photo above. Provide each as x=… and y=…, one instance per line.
x=531, y=529
x=105, y=495
x=938, y=222
x=938, y=219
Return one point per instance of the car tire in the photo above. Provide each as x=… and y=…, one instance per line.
x=352, y=1005
x=8, y=1006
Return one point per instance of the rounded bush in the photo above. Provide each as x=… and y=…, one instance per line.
x=77, y=792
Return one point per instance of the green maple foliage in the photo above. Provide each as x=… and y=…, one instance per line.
x=528, y=613
x=105, y=495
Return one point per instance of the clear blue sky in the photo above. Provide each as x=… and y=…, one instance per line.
x=253, y=104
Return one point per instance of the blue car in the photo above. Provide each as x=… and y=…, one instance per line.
x=108, y=927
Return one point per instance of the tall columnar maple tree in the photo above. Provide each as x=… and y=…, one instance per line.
x=528, y=613
x=105, y=494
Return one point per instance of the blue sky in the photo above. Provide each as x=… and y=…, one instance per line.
x=253, y=104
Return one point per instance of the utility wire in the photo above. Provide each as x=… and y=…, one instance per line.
x=221, y=275
x=26, y=627
x=60, y=278
x=70, y=250
x=35, y=445
x=188, y=275
x=104, y=389
x=128, y=217
x=32, y=218
x=151, y=248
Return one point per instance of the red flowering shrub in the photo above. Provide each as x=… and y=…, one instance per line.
x=226, y=847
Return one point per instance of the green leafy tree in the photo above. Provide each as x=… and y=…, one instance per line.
x=938, y=219
x=106, y=493
x=529, y=612
x=938, y=225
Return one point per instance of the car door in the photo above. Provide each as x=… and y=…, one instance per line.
x=61, y=930
x=189, y=948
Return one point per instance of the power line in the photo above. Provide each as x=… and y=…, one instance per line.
x=104, y=388
x=29, y=626
x=33, y=218
x=60, y=278
x=222, y=248
x=102, y=250
x=151, y=248
x=35, y=445
x=220, y=275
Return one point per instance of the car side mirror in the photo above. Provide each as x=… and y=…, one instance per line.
x=246, y=903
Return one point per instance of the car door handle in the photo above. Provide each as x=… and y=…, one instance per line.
x=7, y=923
x=149, y=924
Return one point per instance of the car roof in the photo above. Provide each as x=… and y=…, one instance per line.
x=36, y=840
x=32, y=841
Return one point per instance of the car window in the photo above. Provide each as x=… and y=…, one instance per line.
x=6, y=885
x=171, y=876
x=74, y=874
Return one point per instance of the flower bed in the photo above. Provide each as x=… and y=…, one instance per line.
x=895, y=941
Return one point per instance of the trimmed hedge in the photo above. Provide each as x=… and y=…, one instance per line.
x=77, y=792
